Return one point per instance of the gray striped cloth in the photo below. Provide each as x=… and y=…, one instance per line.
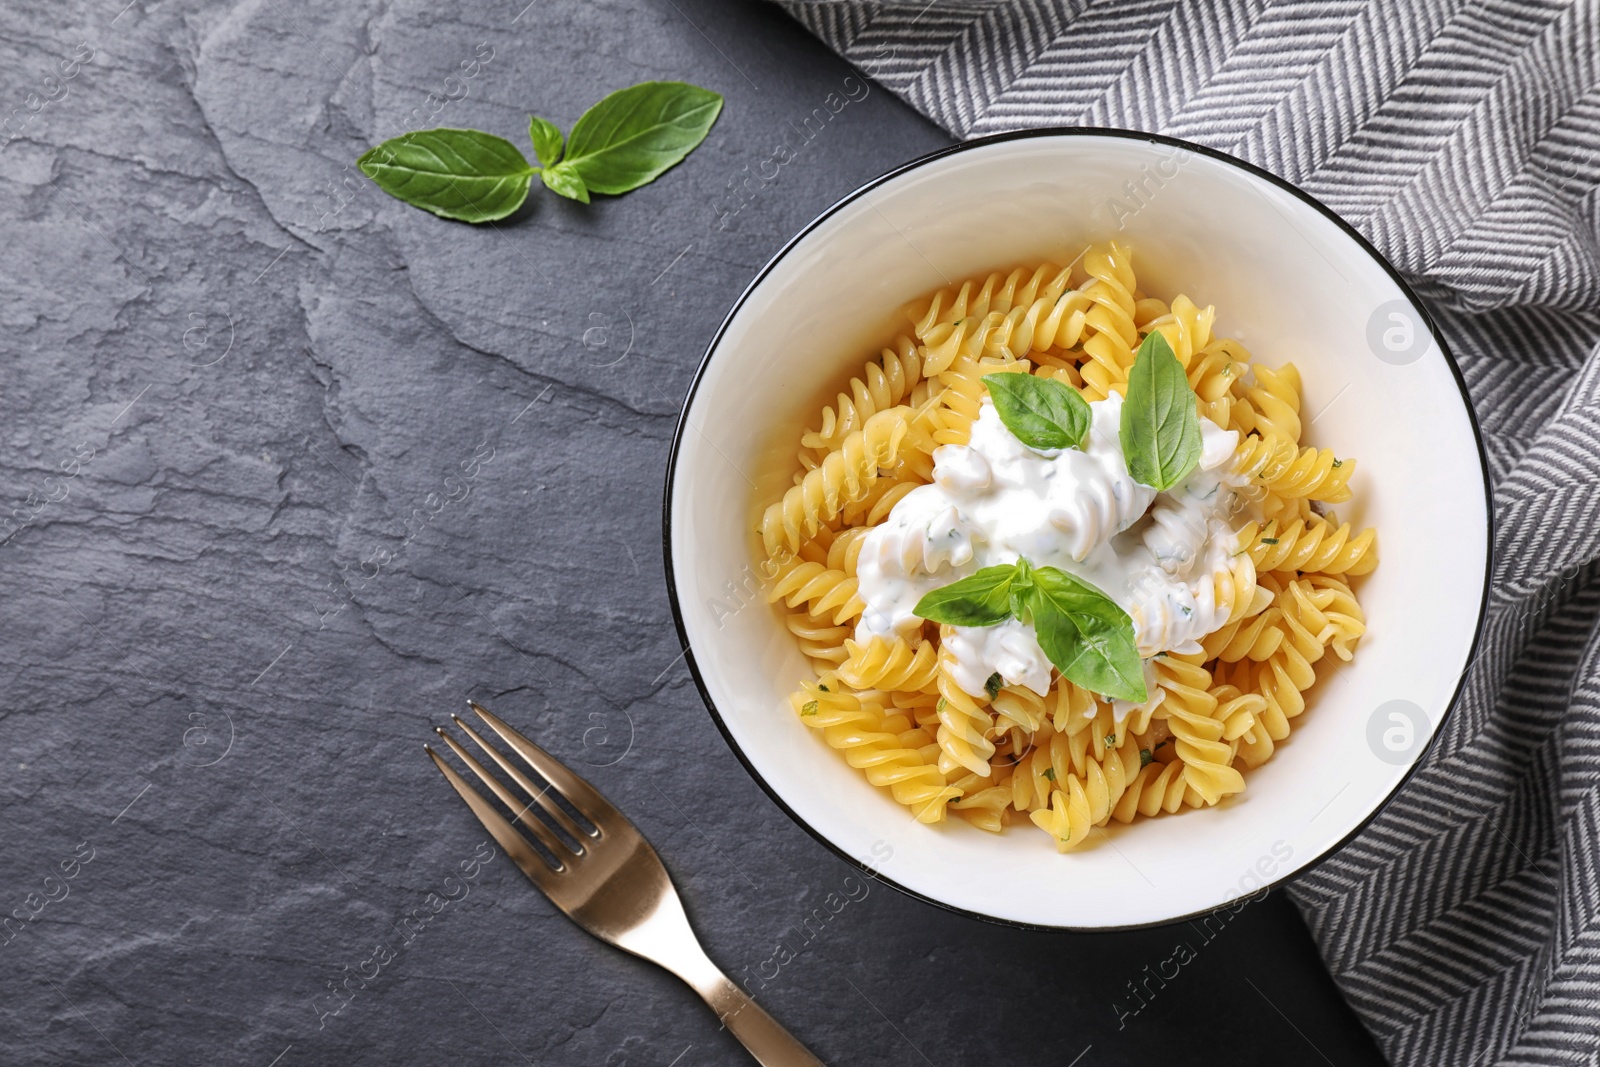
x=1464, y=140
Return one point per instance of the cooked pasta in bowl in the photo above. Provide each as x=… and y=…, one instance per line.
x=1044, y=582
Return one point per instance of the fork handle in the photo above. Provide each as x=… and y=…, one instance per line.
x=762, y=1035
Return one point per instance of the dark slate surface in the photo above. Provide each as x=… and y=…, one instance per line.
x=308, y=466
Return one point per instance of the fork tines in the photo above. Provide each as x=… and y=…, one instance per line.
x=603, y=874
x=539, y=808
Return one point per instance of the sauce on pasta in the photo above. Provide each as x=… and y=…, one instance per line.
x=994, y=499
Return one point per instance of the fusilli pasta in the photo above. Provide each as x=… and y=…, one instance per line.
x=1067, y=760
x=843, y=476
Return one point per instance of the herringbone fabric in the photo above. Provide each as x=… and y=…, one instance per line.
x=1464, y=140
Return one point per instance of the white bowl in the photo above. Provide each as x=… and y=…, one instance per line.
x=1291, y=282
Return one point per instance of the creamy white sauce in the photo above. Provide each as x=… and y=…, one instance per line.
x=995, y=499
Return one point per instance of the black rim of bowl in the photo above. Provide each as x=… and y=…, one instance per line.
x=1074, y=131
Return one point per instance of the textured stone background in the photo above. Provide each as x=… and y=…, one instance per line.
x=232, y=371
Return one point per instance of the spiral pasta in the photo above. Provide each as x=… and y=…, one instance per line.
x=1215, y=374
x=1276, y=464
x=843, y=549
x=875, y=504
x=1111, y=335
x=1017, y=706
x=890, y=757
x=1272, y=587
x=825, y=592
x=1311, y=545
x=881, y=664
x=1186, y=327
x=1081, y=803
x=950, y=420
x=1256, y=636
x=1237, y=712
x=1189, y=709
x=818, y=638
x=985, y=800
x=1003, y=317
x=884, y=383
x=843, y=476
x=964, y=727
x=1342, y=622
x=1271, y=404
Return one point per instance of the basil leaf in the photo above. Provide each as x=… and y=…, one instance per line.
x=981, y=599
x=562, y=179
x=456, y=174
x=1040, y=412
x=994, y=684
x=546, y=140
x=632, y=136
x=1160, y=428
x=1086, y=635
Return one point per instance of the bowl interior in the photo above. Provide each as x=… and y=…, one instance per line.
x=1291, y=285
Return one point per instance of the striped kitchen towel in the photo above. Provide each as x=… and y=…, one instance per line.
x=1464, y=140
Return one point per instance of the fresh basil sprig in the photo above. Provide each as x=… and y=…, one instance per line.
x=1082, y=631
x=1160, y=428
x=1040, y=412
x=626, y=140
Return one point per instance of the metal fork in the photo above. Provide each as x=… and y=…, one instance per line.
x=612, y=883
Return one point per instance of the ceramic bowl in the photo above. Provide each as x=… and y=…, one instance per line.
x=1292, y=282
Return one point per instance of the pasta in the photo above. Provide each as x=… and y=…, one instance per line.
x=886, y=382
x=844, y=474
x=884, y=744
x=823, y=591
x=1275, y=464
x=1234, y=613
x=881, y=664
x=964, y=726
x=1311, y=545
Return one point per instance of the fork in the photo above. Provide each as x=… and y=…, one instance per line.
x=607, y=879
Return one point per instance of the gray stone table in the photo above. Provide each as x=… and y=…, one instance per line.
x=295, y=468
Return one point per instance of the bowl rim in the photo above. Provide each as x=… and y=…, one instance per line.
x=1251, y=169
